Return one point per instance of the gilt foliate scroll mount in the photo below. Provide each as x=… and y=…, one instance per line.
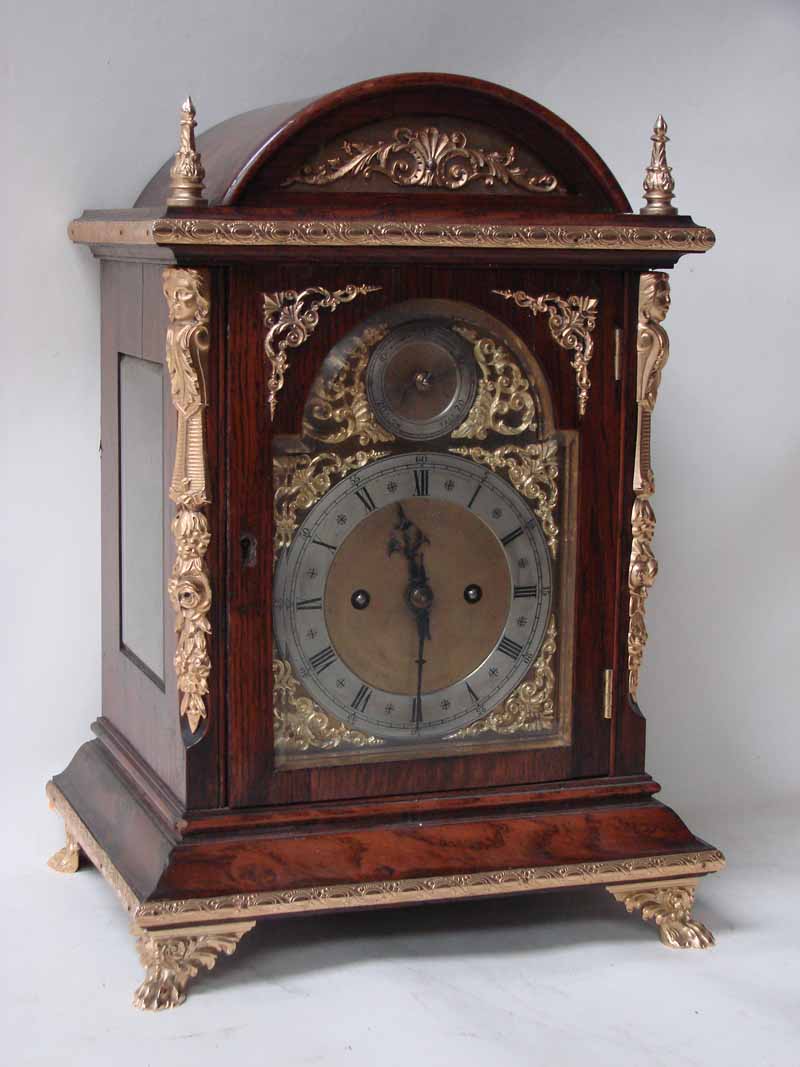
x=338, y=408
x=507, y=402
x=533, y=472
x=571, y=320
x=290, y=318
x=428, y=158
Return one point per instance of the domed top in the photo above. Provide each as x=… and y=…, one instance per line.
x=433, y=137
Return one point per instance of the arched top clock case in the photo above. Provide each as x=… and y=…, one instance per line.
x=378, y=374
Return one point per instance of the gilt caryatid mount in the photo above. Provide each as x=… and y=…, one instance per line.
x=652, y=349
x=189, y=588
x=256, y=286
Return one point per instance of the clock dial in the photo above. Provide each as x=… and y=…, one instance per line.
x=414, y=596
x=421, y=379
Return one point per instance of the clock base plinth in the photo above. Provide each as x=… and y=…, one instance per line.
x=195, y=882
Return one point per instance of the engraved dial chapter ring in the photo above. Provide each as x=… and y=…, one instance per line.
x=420, y=557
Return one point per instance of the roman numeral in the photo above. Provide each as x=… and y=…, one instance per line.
x=510, y=648
x=524, y=590
x=366, y=499
x=324, y=544
x=472, y=498
x=313, y=604
x=361, y=698
x=322, y=659
x=509, y=537
x=421, y=482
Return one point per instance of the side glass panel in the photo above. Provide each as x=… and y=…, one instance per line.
x=141, y=449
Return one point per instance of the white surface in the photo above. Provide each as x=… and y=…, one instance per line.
x=90, y=108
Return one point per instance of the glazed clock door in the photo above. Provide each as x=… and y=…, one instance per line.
x=424, y=496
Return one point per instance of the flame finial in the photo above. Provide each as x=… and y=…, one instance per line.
x=659, y=185
x=187, y=174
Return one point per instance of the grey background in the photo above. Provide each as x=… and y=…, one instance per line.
x=90, y=100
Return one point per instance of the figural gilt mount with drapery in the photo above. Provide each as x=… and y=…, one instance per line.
x=377, y=532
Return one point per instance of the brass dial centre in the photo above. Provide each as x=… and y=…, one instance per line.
x=380, y=643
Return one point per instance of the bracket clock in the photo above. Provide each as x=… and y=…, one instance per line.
x=378, y=375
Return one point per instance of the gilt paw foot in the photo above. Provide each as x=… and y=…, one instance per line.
x=669, y=906
x=172, y=957
x=68, y=859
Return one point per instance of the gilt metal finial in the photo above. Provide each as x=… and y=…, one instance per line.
x=187, y=174
x=659, y=185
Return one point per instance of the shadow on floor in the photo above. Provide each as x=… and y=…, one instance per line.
x=278, y=949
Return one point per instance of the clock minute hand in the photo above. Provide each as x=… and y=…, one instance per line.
x=419, y=595
x=416, y=718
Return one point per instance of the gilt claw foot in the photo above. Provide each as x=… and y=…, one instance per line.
x=172, y=957
x=669, y=906
x=68, y=859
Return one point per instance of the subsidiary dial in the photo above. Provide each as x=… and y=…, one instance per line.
x=421, y=379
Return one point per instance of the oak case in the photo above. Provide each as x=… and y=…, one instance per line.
x=407, y=187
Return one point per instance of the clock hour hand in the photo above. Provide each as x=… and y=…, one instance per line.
x=406, y=537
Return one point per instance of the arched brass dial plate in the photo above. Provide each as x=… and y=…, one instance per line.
x=414, y=596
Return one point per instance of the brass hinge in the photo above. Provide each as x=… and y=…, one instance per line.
x=617, y=354
x=608, y=693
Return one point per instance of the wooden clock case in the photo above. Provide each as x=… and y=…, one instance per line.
x=185, y=811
